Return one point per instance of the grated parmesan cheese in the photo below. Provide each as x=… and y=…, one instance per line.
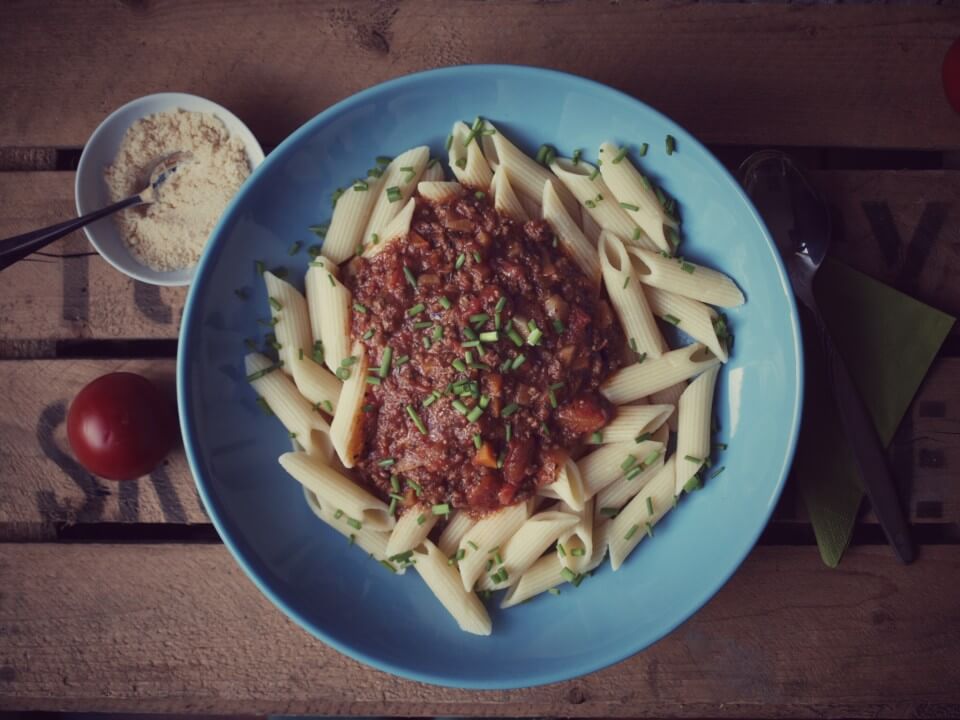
x=170, y=233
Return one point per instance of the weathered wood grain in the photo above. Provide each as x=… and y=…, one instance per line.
x=789, y=74
x=179, y=628
x=41, y=487
x=902, y=227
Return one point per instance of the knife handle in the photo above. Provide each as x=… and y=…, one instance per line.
x=867, y=450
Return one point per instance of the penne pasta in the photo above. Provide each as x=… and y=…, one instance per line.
x=400, y=179
x=590, y=227
x=439, y=191
x=669, y=396
x=612, y=462
x=697, y=320
x=397, y=229
x=433, y=172
x=372, y=542
x=466, y=158
x=617, y=494
x=636, y=196
x=351, y=212
x=568, y=486
x=487, y=534
x=505, y=200
x=329, y=304
x=526, y=174
x=575, y=545
x=569, y=236
x=531, y=206
x=457, y=526
x=411, y=529
x=444, y=582
x=685, y=278
x=585, y=183
x=637, y=519
x=645, y=378
x=291, y=324
x=521, y=551
x=285, y=401
x=338, y=491
x=633, y=421
x=628, y=300
x=345, y=430
x=693, y=436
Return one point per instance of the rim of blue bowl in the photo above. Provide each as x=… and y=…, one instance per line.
x=184, y=386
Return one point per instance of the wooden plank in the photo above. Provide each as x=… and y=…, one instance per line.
x=898, y=226
x=179, y=628
x=861, y=75
x=42, y=488
x=52, y=298
x=902, y=228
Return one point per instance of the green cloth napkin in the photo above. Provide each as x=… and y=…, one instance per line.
x=888, y=341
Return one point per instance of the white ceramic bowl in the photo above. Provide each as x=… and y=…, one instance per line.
x=102, y=147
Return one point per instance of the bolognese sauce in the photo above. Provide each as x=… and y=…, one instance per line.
x=486, y=346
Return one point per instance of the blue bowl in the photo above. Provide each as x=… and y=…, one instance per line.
x=393, y=623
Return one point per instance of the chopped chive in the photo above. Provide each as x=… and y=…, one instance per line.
x=409, y=172
x=403, y=558
x=578, y=552
x=717, y=471
x=461, y=163
x=269, y=323
x=634, y=473
x=373, y=380
x=641, y=357
x=375, y=172
x=260, y=373
x=687, y=267
x=620, y=155
x=484, y=401
x=577, y=154
x=568, y=575
x=553, y=398
x=392, y=510
x=479, y=195
x=642, y=437
x=416, y=310
x=637, y=233
x=416, y=419
x=477, y=440
x=461, y=259
x=355, y=524
x=501, y=304
x=671, y=144
x=672, y=319
x=561, y=550
x=438, y=332
x=393, y=194
x=649, y=506
x=332, y=281
x=471, y=344
x=275, y=304
x=535, y=336
x=489, y=565
x=410, y=277
x=383, y=160
x=368, y=334
x=630, y=206
x=515, y=337
x=389, y=566
x=460, y=407
x=609, y=512
x=475, y=414
x=335, y=195
x=593, y=175
x=468, y=355
x=649, y=528
x=360, y=308
x=470, y=334
x=518, y=361
x=491, y=336
x=553, y=591
x=558, y=325
x=596, y=438
x=473, y=545
x=417, y=488
x=430, y=399
x=479, y=318
x=361, y=186
x=508, y=431
x=319, y=230
x=441, y=509
x=264, y=406
x=444, y=302
x=459, y=365
x=421, y=519
x=651, y=458
x=448, y=143
x=628, y=463
x=691, y=458
x=422, y=325
x=631, y=532
x=626, y=281
x=402, y=360
x=509, y=410
x=395, y=483
x=338, y=514
x=348, y=361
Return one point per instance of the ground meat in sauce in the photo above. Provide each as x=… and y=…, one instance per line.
x=467, y=253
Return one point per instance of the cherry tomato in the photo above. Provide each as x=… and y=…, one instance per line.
x=120, y=426
x=951, y=75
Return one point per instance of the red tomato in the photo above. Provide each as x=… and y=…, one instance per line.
x=951, y=75
x=120, y=426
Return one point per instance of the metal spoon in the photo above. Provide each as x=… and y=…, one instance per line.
x=16, y=248
x=799, y=221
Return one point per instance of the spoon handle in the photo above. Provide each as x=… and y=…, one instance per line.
x=16, y=248
x=868, y=451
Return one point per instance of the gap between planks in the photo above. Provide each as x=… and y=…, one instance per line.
x=185, y=631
